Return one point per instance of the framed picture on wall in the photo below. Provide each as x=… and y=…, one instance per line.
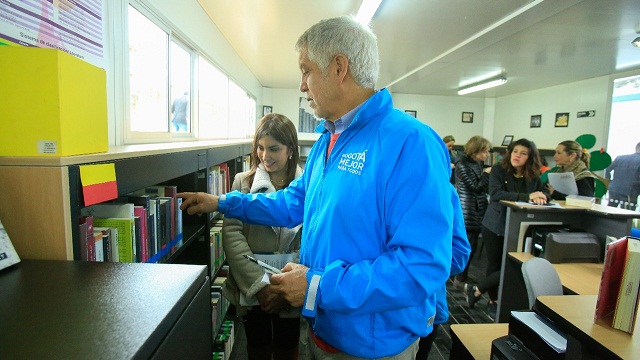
x=266, y=110
x=467, y=117
x=562, y=120
x=412, y=113
x=507, y=140
x=536, y=121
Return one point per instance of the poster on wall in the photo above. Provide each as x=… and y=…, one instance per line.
x=308, y=122
x=75, y=27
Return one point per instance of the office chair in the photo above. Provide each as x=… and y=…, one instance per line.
x=540, y=278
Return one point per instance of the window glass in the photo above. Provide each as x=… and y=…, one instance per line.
x=213, y=101
x=148, y=74
x=180, y=89
x=238, y=111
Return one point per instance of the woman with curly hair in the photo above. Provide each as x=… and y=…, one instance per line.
x=515, y=178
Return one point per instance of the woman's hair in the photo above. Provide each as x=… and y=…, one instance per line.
x=343, y=35
x=282, y=130
x=531, y=168
x=476, y=144
x=448, y=138
x=573, y=147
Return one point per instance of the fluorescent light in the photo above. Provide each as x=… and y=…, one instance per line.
x=367, y=10
x=482, y=86
x=636, y=42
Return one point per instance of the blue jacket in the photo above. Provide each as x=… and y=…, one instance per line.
x=378, y=222
x=459, y=258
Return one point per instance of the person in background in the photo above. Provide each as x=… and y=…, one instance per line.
x=372, y=258
x=272, y=327
x=459, y=257
x=179, y=109
x=571, y=157
x=624, y=173
x=472, y=184
x=515, y=178
x=544, y=167
x=450, y=141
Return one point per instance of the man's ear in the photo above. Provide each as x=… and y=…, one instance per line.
x=342, y=66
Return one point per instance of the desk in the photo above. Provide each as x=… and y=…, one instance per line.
x=599, y=220
x=574, y=315
x=473, y=341
x=576, y=279
x=90, y=310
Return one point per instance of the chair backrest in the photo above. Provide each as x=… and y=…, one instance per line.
x=540, y=278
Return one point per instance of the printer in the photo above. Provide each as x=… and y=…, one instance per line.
x=566, y=247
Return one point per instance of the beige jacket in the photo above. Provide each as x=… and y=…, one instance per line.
x=240, y=239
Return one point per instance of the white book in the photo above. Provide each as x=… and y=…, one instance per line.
x=109, y=210
x=8, y=254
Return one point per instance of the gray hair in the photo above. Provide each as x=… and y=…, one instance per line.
x=343, y=35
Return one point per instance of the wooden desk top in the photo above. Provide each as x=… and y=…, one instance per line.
x=477, y=338
x=580, y=278
x=578, y=312
x=601, y=210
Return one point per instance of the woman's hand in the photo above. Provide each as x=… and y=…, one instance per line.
x=538, y=198
x=551, y=189
x=270, y=302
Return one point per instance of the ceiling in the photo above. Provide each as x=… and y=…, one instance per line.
x=434, y=47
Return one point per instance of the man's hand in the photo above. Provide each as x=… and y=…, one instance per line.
x=291, y=284
x=198, y=203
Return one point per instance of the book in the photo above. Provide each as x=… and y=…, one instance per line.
x=87, y=242
x=610, y=281
x=126, y=231
x=627, y=305
x=99, y=245
x=8, y=254
x=581, y=201
x=106, y=242
x=143, y=232
x=123, y=218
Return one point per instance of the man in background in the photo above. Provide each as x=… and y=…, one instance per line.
x=179, y=110
x=624, y=174
x=377, y=208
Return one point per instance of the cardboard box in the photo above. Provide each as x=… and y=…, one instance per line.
x=53, y=104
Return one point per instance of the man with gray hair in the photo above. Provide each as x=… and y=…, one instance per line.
x=377, y=208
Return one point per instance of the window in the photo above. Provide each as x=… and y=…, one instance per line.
x=171, y=99
x=213, y=100
x=148, y=73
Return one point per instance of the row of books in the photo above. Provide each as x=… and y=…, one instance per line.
x=618, y=296
x=215, y=245
x=144, y=226
x=219, y=181
x=223, y=343
x=219, y=304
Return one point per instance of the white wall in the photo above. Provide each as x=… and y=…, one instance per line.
x=513, y=113
x=444, y=113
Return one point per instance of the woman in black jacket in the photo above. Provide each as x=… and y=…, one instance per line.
x=472, y=183
x=515, y=178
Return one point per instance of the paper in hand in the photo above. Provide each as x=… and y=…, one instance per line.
x=564, y=183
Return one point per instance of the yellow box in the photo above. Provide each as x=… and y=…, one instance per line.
x=52, y=104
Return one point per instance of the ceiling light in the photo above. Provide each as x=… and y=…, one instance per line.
x=367, y=10
x=482, y=86
x=636, y=42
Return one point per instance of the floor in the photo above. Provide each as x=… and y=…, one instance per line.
x=459, y=314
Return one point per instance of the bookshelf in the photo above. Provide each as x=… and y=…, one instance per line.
x=42, y=196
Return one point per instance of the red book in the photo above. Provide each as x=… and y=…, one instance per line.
x=144, y=231
x=611, y=279
x=87, y=243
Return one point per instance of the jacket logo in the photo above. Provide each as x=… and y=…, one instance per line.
x=353, y=162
